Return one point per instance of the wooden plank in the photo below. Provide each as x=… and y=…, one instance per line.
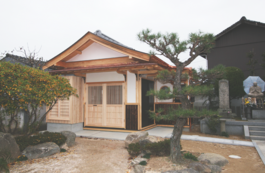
x=147, y=72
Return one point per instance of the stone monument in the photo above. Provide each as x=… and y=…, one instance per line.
x=224, y=108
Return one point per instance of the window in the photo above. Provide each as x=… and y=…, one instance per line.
x=114, y=94
x=95, y=95
x=165, y=88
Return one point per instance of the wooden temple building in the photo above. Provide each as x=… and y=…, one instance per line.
x=112, y=81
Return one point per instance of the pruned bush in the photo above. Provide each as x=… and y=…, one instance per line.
x=225, y=134
x=23, y=141
x=159, y=148
x=143, y=163
x=212, y=123
x=3, y=165
x=22, y=158
x=134, y=149
x=188, y=155
x=62, y=150
x=27, y=89
x=156, y=148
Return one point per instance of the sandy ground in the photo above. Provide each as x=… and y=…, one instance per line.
x=250, y=161
x=87, y=156
x=106, y=156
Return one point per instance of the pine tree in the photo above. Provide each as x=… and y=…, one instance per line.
x=170, y=47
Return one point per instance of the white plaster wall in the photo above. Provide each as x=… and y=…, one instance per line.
x=96, y=51
x=131, y=87
x=104, y=77
x=159, y=85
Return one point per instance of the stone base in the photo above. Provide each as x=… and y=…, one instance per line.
x=258, y=114
x=226, y=113
x=57, y=127
x=232, y=127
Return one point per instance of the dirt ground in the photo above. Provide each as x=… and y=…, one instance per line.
x=107, y=156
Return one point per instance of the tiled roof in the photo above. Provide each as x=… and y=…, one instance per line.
x=19, y=59
x=241, y=21
x=100, y=34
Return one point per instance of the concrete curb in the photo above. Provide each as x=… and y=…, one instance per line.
x=259, y=151
x=215, y=140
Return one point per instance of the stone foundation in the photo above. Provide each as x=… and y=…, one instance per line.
x=57, y=127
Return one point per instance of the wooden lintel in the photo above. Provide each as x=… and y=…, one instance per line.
x=80, y=74
x=132, y=71
x=121, y=72
x=147, y=72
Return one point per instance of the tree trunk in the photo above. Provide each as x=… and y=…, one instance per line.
x=177, y=81
x=175, y=154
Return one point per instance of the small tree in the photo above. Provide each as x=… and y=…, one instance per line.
x=169, y=46
x=26, y=88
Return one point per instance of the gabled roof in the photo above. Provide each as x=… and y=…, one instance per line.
x=243, y=20
x=100, y=38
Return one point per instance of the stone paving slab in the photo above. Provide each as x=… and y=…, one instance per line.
x=260, y=147
x=102, y=134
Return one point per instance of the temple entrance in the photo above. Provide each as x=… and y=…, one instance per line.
x=105, y=105
x=147, y=102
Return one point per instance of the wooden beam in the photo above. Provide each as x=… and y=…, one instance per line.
x=121, y=72
x=80, y=74
x=87, y=63
x=147, y=72
x=79, y=52
x=132, y=71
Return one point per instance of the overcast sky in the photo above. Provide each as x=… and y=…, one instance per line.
x=51, y=26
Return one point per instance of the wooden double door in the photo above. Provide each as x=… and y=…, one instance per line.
x=105, y=106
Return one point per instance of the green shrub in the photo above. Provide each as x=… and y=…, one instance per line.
x=159, y=148
x=143, y=163
x=156, y=148
x=22, y=158
x=3, y=165
x=134, y=149
x=188, y=155
x=62, y=150
x=147, y=156
x=225, y=134
x=213, y=123
x=23, y=141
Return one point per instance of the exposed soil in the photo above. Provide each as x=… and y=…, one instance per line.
x=249, y=162
x=88, y=155
x=107, y=156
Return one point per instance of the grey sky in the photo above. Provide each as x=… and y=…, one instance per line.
x=53, y=25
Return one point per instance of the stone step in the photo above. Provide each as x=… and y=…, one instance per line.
x=257, y=133
x=257, y=138
x=256, y=128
